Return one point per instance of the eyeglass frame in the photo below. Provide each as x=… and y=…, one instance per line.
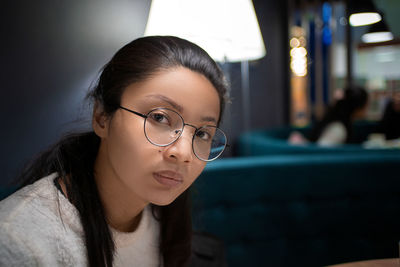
x=145, y=116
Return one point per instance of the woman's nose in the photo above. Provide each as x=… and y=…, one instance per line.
x=181, y=149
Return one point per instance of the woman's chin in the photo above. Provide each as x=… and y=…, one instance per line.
x=160, y=201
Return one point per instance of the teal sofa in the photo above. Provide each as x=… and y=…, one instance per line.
x=274, y=142
x=301, y=210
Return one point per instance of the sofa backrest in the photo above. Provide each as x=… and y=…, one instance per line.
x=303, y=210
x=261, y=142
x=274, y=141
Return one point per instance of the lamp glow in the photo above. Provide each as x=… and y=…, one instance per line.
x=377, y=37
x=294, y=42
x=227, y=29
x=298, y=53
x=361, y=19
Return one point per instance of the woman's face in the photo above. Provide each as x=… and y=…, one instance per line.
x=151, y=173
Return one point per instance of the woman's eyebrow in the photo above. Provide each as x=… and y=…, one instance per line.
x=209, y=119
x=168, y=100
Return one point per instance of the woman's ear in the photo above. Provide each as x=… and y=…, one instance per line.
x=100, y=121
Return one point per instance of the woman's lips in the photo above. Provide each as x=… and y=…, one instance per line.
x=168, y=178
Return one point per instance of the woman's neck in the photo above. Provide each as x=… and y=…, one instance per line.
x=123, y=209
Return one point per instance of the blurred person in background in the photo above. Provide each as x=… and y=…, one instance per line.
x=335, y=127
x=390, y=122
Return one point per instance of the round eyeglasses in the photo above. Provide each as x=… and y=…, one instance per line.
x=163, y=126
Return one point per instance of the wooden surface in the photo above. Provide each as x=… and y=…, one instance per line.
x=371, y=263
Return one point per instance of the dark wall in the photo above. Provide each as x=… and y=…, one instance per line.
x=269, y=89
x=52, y=50
x=270, y=97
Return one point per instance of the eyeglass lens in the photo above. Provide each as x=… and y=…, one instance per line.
x=164, y=126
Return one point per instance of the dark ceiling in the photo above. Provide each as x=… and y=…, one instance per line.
x=391, y=10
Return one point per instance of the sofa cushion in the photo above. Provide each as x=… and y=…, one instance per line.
x=301, y=210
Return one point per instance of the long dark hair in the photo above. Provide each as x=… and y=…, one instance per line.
x=73, y=156
x=355, y=98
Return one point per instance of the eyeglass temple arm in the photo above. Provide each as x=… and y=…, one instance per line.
x=134, y=112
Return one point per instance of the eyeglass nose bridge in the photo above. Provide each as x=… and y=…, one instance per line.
x=177, y=132
x=180, y=132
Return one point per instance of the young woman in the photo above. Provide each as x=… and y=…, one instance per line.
x=118, y=196
x=335, y=128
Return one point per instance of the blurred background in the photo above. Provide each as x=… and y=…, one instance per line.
x=52, y=52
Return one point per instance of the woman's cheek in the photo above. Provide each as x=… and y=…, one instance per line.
x=198, y=170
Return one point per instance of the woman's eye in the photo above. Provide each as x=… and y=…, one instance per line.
x=160, y=118
x=203, y=135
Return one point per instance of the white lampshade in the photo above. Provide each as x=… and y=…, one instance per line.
x=377, y=37
x=227, y=29
x=362, y=19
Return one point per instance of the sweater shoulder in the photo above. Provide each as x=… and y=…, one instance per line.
x=39, y=223
x=32, y=202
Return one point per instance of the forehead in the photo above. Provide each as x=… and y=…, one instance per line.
x=191, y=92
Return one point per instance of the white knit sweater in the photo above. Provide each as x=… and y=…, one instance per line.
x=40, y=227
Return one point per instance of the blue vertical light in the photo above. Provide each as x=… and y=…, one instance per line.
x=326, y=42
x=311, y=52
